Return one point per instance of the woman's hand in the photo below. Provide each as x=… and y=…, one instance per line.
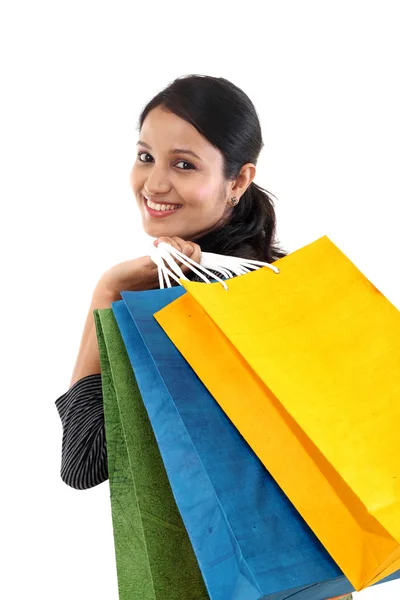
x=141, y=273
x=190, y=249
x=136, y=274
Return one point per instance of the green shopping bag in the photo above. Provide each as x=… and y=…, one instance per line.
x=154, y=556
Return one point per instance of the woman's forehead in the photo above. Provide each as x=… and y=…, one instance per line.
x=167, y=132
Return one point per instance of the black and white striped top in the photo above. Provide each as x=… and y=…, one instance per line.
x=84, y=451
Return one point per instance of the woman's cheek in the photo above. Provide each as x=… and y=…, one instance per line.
x=203, y=197
x=134, y=180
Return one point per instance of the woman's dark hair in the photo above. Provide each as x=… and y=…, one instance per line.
x=225, y=115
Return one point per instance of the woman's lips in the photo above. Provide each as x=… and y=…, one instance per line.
x=159, y=214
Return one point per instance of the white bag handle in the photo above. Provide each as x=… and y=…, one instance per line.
x=225, y=265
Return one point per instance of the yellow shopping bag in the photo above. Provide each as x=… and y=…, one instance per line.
x=306, y=364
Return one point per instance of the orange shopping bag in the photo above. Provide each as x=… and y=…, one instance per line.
x=306, y=364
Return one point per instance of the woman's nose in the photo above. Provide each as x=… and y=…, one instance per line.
x=156, y=182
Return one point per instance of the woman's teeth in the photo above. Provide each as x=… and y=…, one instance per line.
x=162, y=207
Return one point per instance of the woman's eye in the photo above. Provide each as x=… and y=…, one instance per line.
x=186, y=163
x=181, y=161
x=140, y=154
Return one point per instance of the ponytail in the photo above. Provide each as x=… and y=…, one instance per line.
x=249, y=232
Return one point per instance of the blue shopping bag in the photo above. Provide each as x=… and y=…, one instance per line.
x=249, y=540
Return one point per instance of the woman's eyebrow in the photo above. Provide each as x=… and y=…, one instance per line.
x=174, y=151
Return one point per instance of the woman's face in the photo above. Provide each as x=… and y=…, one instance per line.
x=192, y=188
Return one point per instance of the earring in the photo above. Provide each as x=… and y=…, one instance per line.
x=233, y=201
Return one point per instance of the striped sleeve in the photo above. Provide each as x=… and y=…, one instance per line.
x=84, y=451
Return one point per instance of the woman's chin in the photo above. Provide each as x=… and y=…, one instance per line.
x=166, y=228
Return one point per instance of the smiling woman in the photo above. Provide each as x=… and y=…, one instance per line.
x=193, y=182
x=193, y=177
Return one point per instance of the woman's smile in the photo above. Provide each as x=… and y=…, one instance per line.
x=160, y=209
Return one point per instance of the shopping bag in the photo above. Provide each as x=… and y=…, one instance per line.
x=154, y=556
x=249, y=540
x=306, y=364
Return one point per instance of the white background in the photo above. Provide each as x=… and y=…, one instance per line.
x=74, y=76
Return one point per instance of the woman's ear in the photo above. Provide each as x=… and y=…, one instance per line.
x=244, y=179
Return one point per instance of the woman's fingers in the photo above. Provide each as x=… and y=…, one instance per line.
x=187, y=248
x=196, y=255
x=190, y=249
